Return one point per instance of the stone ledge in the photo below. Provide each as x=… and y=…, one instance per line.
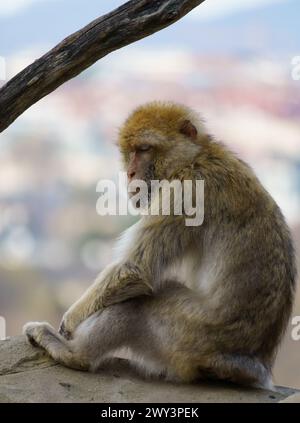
x=28, y=375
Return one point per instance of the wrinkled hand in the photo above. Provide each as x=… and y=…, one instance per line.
x=63, y=331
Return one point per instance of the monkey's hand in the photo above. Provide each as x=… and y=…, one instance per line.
x=71, y=319
x=120, y=283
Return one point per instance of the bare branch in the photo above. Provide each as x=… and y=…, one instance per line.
x=130, y=22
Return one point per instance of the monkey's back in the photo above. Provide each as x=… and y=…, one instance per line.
x=247, y=250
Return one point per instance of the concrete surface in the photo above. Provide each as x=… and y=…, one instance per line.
x=28, y=375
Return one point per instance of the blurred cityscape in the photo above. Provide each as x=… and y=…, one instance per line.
x=52, y=242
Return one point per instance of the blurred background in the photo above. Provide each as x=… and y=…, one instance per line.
x=231, y=61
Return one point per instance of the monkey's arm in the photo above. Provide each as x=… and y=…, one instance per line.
x=115, y=284
x=149, y=251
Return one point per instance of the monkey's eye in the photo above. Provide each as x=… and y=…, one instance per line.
x=144, y=147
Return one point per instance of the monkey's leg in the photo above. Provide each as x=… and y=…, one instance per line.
x=95, y=339
x=98, y=338
x=63, y=351
x=167, y=333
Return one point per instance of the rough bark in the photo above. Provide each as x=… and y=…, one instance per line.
x=130, y=22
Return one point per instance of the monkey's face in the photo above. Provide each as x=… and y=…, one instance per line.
x=156, y=142
x=152, y=161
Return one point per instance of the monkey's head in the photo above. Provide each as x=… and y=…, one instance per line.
x=158, y=140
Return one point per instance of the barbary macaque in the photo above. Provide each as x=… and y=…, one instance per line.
x=189, y=302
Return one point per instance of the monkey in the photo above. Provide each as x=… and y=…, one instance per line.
x=189, y=302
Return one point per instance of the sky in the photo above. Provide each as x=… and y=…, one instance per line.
x=209, y=9
x=231, y=26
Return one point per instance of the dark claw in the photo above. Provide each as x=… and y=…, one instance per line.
x=63, y=332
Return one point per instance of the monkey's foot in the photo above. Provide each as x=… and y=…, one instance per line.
x=34, y=332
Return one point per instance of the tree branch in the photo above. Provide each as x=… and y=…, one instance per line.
x=130, y=22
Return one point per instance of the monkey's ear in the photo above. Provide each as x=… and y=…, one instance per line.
x=188, y=129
